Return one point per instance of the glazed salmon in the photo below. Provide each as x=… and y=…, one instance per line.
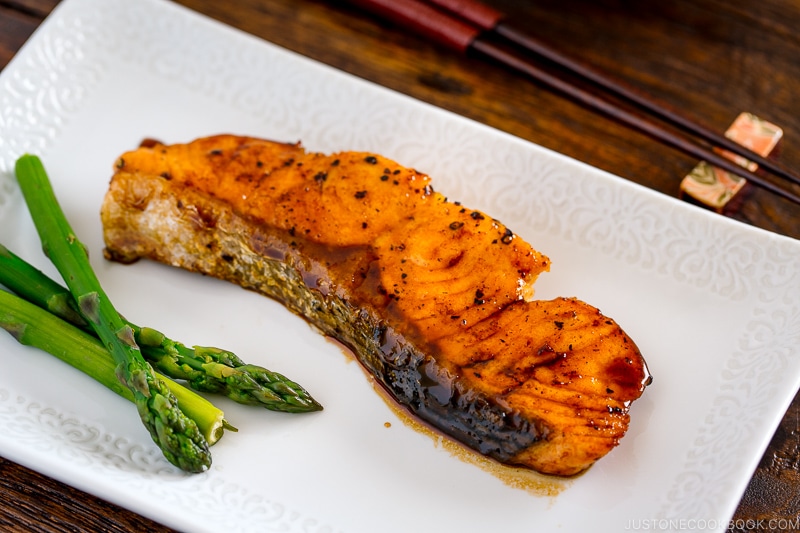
x=434, y=299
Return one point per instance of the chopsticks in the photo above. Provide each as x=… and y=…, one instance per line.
x=468, y=26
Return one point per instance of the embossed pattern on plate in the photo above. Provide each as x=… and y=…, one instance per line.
x=714, y=305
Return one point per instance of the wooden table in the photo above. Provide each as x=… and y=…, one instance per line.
x=713, y=58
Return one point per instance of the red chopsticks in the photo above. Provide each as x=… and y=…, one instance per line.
x=464, y=25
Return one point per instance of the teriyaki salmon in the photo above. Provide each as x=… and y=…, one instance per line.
x=435, y=299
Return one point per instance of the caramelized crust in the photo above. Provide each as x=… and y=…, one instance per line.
x=434, y=299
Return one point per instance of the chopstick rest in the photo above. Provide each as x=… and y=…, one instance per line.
x=714, y=188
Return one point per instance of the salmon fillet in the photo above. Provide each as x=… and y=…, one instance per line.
x=434, y=299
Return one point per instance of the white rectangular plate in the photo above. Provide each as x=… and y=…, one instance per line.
x=714, y=305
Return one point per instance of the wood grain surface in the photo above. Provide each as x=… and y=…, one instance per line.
x=711, y=58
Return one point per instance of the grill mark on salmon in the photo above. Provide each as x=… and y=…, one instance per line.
x=434, y=299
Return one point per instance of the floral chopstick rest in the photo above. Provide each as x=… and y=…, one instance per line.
x=714, y=188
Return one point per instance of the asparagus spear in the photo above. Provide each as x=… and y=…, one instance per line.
x=32, y=326
x=205, y=369
x=33, y=285
x=210, y=369
x=176, y=434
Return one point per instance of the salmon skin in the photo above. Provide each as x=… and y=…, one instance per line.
x=433, y=298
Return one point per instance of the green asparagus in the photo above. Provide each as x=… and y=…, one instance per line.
x=177, y=435
x=213, y=370
x=205, y=369
x=33, y=326
x=33, y=285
